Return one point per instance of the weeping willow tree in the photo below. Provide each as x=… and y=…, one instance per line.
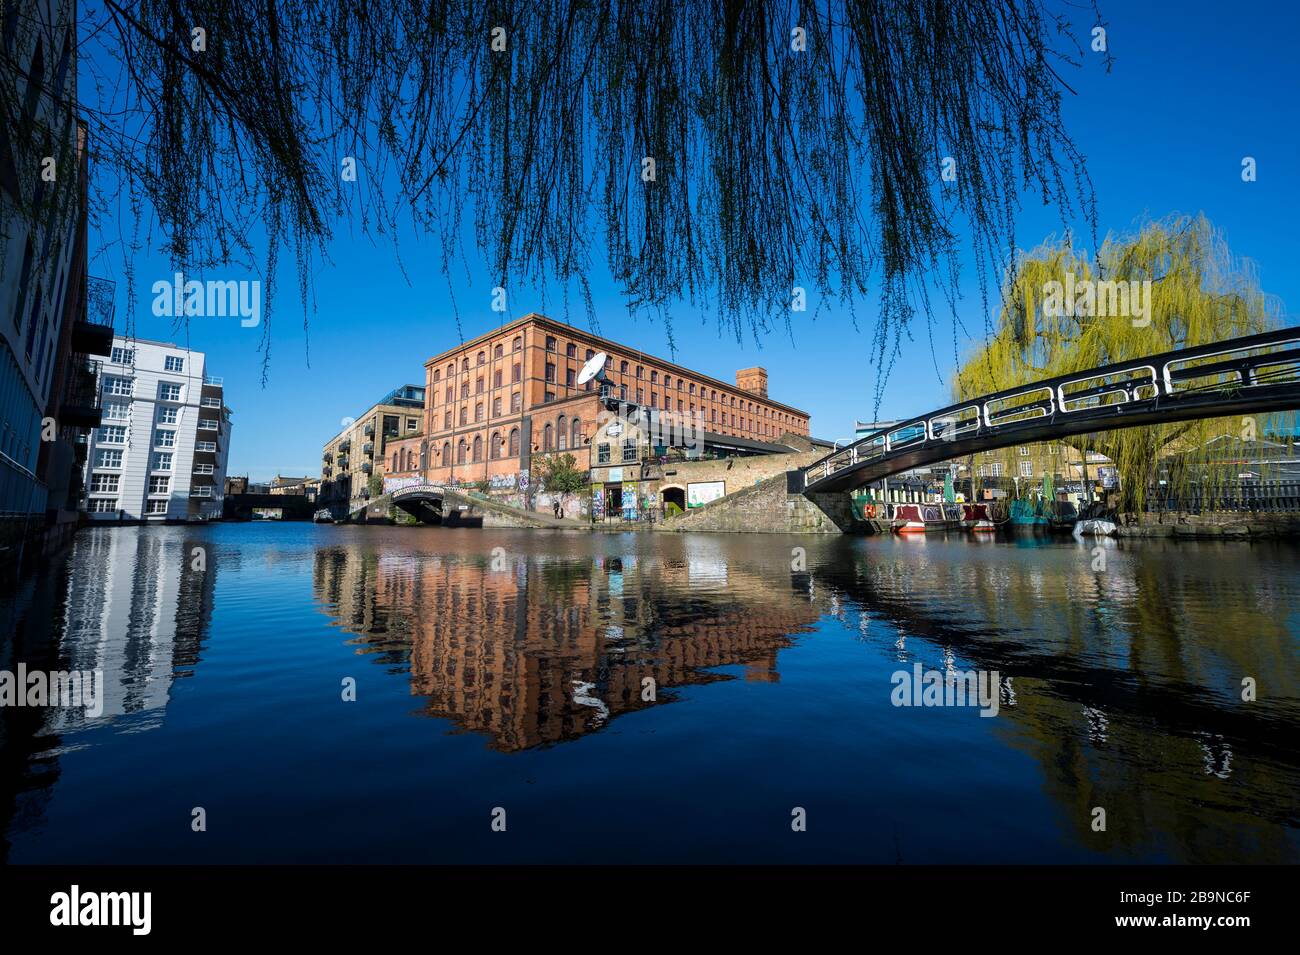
x=1199, y=293
x=718, y=153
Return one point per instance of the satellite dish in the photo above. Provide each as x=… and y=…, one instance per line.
x=594, y=368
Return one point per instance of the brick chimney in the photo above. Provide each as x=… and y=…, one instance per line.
x=753, y=380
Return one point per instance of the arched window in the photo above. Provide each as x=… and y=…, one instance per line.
x=548, y=438
x=446, y=453
x=518, y=344
x=514, y=442
x=460, y=452
x=464, y=364
x=576, y=438
x=496, y=352
x=495, y=449
x=395, y=468
x=562, y=432
x=437, y=374
x=478, y=448
x=622, y=368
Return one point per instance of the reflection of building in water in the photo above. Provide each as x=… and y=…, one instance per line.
x=541, y=651
x=136, y=609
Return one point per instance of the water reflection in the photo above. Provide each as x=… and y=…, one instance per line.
x=537, y=649
x=1121, y=687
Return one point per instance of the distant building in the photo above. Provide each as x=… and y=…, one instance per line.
x=353, y=460
x=306, y=486
x=161, y=451
x=498, y=405
x=236, y=485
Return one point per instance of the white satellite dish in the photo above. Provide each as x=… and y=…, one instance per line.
x=594, y=368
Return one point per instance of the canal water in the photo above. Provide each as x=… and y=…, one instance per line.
x=377, y=694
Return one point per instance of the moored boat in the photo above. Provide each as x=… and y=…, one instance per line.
x=924, y=518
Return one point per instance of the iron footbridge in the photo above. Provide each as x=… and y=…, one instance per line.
x=1247, y=376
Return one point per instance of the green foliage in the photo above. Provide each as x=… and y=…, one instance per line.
x=1199, y=293
x=560, y=475
x=375, y=485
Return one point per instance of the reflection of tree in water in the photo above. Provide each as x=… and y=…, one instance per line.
x=1129, y=682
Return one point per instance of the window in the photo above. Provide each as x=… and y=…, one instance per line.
x=482, y=358
x=173, y=363
x=168, y=415
x=995, y=470
x=629, y=449
x=460, y=452
x=654, y=377
x=514, y=441
x=549, y=397
x=622, y=368
x=496, y=378
x=412, y=424
x=160, y=484
x=548, y=438
x=518, y=344
x=102, y=505
x=104, y=483
x=117, y=410
x=496, y=352
x=155, y=507
x=208, y=424
x=692, y=387
x=1027, y=469
x=515, y=404
x=602, y=453
x=162, y=461
x=571, y=350
x=203, y=490
x=206, y=446
x=640, y=372
x=446, y=452
x=118, y=386
x=478, y=411
x=550, y=371
x=446, y=421
x=478, y=447
x=496, y=407
x=464, y=414
x=668, y=382
x=109, y=458
x=167, y=391
x=164, y=439
x=576, y=436
x=203, y=469
x=123, y=356
x=562, y=433
x=1024, y=451
x=550, y=343
x=495, y=448
x=464, y=390
x=569, y=379
x=112, y=434
x=478, y=387
x=514, y=374
x=211, y=402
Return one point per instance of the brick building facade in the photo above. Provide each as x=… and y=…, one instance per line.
x=495, y=402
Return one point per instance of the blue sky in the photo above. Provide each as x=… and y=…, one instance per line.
x=1195, y=87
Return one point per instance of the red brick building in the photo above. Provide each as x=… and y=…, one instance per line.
x=492, y=403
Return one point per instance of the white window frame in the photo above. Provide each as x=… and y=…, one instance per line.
x=156, y=479
x=109, y=454
x=111, y=434
x=173, y=363
x=164, y=438
x=156, y=461
x=169, y=415
x=166, y=390
x=156, y=506
x=113, y=481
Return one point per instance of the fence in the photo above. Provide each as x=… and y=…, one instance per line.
x=1266, y=497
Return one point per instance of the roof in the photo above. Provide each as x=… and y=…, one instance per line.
x=565, y=329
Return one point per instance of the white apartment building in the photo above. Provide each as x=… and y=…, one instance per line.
x=160, y=453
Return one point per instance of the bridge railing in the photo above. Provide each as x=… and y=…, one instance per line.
x=1251, y=361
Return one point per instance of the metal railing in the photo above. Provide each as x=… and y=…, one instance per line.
x=1176, y=385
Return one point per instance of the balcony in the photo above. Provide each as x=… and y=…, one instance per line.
x=366, y=466
x=368, y=449
x=345, y=445
x=81, y=407
x=327, y=458
x=369, y=429
x=212, y=381
x=343, y=463
x=92, y=332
